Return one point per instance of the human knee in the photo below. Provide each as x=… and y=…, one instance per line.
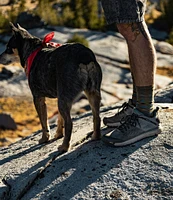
x=125, y=30
x=130, y=31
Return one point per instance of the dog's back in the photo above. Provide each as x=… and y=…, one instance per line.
x=64, y=72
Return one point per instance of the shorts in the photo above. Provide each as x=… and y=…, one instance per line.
x=124, y=11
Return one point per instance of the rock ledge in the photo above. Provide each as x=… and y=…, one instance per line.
x=90, y=170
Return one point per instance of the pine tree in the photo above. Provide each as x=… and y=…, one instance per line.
x=90, y=10
x=22, y=6
x=46, y=12
x=67, y=16
x=79, y=20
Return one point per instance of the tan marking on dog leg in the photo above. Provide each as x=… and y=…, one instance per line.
x=68, y=130
x=60, y=124
x=41, y=109
x=94, y=100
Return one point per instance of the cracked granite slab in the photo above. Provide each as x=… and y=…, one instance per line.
x=91, y=169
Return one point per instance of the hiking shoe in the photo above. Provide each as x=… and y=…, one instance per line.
x=136, y=127
x=116, y=120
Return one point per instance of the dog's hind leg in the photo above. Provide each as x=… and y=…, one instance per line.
x=60, y=124
x=41, y=109
x=94, y=100
x=64, y=109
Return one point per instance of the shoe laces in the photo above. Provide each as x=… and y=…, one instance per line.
x=128, y=122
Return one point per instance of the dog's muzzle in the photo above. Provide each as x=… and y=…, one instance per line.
x=5, y=58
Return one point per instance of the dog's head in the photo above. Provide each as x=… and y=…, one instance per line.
x=15, y=45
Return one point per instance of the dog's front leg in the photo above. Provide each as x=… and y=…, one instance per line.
x=41, y=109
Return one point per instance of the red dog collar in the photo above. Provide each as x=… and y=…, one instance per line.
x=46, y=42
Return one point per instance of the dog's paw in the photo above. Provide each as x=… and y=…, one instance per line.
x=63, y=148
x=44, y=139
x=58, y=135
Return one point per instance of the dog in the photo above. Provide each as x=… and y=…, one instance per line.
x=57, y=72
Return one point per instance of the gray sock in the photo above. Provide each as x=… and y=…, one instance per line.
x=145, y=99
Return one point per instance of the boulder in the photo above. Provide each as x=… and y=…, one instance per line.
x=164, y=95
x=7, y=122
x=91, y=169
x=164, y=47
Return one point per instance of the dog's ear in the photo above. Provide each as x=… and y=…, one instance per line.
x=21, y=28
x=24, y=32
x=13, y=27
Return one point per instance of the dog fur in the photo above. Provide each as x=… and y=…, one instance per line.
x=60, y=73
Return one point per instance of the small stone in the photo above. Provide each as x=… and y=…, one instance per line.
x=7, y=122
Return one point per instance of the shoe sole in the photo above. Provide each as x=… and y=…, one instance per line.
x=133, y=140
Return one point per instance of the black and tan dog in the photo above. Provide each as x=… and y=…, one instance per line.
x=60, y=73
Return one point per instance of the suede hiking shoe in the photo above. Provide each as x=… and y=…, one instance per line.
x=135, y=127
x=116, y=120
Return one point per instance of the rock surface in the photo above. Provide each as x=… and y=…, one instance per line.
x=7, y=122
x=90, y=170
x=165, y=95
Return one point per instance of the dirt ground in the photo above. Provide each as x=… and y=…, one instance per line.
x=23, y=112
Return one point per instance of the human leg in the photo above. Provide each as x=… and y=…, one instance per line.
x=143, y=122
x=143, y=64
x=143, y=57
x=126, y=11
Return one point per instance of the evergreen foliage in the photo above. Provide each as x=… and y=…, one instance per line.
x=80, y=14
x=45, y=11
x=9, y=16
x=76, y=38
x=77, y=8
x=74, y=13
x=67, y=16
x=21, y=6
x=83, y=14
x=90, y=13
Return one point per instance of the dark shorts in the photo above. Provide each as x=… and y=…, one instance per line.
x=124, y=11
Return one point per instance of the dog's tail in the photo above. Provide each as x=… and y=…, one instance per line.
x=91, y=76
x=89, y=70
